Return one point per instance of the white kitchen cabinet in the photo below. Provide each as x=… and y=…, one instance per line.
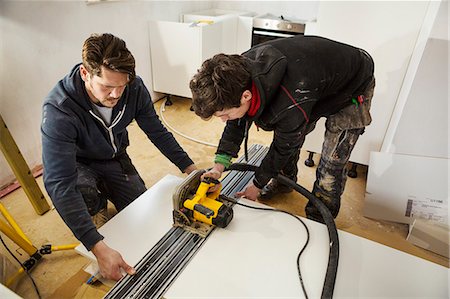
x=177, y=49
x=236, y=27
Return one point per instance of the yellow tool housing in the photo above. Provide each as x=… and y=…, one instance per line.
x=204, y=206
x=198, y=211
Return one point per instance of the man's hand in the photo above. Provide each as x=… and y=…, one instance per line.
x=190, y=169
x=215, y=173
x=250, y=192
x=110, y=262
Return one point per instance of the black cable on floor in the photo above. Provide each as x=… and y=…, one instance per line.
x=232, y=200
x=25, y=269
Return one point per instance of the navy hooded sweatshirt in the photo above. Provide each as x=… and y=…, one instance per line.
x=71, y=132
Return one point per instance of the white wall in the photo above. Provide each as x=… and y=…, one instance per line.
x=41, y=41
x=290, y=10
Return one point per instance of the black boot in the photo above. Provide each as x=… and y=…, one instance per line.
x=273, y=188
x=333, y=205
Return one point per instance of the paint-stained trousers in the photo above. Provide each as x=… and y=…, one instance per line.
x=116, y=180
x=342, y=131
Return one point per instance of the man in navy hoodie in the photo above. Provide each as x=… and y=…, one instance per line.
x=84, y=141
x=285, y=86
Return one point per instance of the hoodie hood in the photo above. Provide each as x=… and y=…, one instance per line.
x=74, y=86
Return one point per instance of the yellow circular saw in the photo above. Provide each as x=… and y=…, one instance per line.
x=196, y=209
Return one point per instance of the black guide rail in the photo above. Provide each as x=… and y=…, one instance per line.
x=159, y=268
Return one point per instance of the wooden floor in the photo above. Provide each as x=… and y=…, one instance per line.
x=60, y=271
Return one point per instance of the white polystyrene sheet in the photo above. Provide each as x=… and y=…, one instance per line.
x=255, y=256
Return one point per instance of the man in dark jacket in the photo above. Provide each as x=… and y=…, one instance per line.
x=285, y=86
x=84, y=141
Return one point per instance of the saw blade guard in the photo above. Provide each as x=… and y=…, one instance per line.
x=187, y=188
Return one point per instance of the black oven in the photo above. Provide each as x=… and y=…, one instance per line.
x=269, y=27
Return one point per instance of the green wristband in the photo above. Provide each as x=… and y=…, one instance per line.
x=223, y=159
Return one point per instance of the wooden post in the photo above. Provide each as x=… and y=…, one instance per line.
x=21, y=170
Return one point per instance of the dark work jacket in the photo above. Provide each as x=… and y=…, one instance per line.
x=299, y=80
x=71, y=131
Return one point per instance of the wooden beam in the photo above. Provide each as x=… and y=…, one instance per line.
x=21, y=170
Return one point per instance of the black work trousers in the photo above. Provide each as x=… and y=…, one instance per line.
x=115, y=180
x=342, y=132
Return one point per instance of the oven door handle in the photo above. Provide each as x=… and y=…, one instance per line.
x=268, y=33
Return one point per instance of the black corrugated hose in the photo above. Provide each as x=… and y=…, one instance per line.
x=333, y=258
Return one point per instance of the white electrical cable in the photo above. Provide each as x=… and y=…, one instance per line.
x=162, y=109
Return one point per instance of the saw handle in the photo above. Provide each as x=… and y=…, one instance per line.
x=210, y=180
x=204, y=210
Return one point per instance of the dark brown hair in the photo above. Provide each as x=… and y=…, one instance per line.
x=109, y=51
x=219, y=84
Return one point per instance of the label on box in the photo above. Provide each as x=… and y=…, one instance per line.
x=427, y=208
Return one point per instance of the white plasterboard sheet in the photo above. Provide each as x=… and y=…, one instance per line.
x=255, y=256
x=142, y=224
x=400, y=187
x=7, y=293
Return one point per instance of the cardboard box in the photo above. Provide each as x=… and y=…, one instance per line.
x=401, y=188
x=431, y=235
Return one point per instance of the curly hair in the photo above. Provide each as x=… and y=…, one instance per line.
x=219, y=84
x=109, y=51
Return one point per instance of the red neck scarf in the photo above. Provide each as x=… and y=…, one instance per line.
x=255, y=101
